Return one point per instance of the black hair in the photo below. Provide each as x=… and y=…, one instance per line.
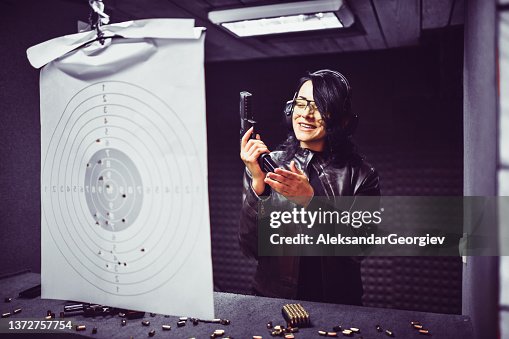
x=332, y=96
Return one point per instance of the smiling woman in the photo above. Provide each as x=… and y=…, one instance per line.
x=318, y=159
x=308, y=125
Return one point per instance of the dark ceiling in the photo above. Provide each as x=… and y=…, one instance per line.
x=380, y=24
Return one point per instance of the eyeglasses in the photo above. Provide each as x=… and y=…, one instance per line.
x=301, y=105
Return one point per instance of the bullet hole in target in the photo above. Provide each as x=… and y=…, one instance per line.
x=98, y=140
x=101, y=178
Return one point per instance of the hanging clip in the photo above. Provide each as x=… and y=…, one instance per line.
x=100, y=17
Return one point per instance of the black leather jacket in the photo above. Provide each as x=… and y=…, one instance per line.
x=278, y=276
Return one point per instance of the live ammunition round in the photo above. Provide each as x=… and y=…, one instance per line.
x=347, y=333
x=80, y=327
x=219, y=333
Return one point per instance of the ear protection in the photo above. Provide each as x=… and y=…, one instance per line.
x=351, y=119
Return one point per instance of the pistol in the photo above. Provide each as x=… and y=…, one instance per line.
x=246, y=122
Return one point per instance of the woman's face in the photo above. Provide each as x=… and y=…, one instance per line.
x=308, y=124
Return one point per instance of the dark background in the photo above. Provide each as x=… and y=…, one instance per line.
x=410, y=105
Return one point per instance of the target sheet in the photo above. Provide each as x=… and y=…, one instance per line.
x=125, y=218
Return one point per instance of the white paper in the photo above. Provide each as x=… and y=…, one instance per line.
x=45, y=52
x=125, y=216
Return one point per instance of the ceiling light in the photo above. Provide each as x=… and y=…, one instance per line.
x=284, y=18
x=283, y=24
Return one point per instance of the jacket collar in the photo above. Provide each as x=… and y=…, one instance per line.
x=304, y=156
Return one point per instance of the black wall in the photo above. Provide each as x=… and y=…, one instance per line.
x=410, y=106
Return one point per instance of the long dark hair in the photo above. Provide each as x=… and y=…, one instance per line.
x=332, y=96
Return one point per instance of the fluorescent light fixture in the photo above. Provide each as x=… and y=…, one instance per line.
x=282, y=18
x=283, y=24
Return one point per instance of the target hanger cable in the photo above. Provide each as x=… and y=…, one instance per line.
x=97, y=7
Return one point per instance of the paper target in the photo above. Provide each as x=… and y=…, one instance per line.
x=119, y=164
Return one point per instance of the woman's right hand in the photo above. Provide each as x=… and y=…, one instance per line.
x=250, y=151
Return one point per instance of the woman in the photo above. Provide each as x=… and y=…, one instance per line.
x=317, y=159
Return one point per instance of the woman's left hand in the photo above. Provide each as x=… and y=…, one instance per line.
x=294, y=184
